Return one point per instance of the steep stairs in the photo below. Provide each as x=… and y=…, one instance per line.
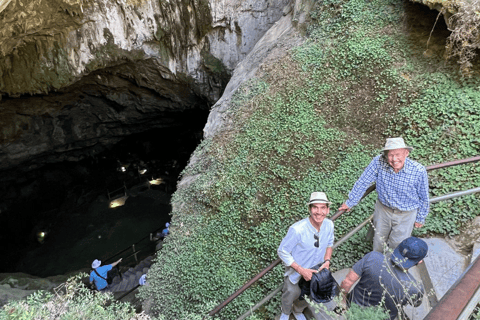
x=442, y=267
x=129, y=279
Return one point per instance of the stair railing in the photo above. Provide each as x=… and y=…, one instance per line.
x=350, y=234
x=333, y=218
x=134, y=248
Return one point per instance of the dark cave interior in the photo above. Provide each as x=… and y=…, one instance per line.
x=62, y=199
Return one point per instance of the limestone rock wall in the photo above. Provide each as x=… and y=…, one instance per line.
x=74, y=72
x=48, y=44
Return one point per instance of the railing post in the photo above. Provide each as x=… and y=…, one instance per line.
x=134, y=252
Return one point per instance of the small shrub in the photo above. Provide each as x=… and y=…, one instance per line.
x=70, y=301
x=464, y=40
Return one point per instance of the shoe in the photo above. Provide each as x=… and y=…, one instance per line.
x=299, y=316
x=284, y=316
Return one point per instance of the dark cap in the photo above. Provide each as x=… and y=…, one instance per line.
x=409, y=252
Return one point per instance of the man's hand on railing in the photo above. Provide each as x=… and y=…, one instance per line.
x=344, y=207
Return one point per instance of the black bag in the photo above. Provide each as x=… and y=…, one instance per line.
x=110, y=275
x=322, y=288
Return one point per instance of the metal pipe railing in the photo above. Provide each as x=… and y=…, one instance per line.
x=350, y=234
x=335, y=245
x=334, y=217
x=454, y=195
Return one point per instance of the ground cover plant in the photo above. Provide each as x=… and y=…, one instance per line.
x=311, y=122
x=70, y=301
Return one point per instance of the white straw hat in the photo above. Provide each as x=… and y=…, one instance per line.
x=96, y=263
x=318, y=197
x=396, y=143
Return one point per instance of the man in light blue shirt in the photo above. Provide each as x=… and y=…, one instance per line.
x=307, y=243
x=402, y=188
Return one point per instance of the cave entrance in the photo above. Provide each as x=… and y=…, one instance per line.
x=428, y=36
x=72, y=200
x=426, y=30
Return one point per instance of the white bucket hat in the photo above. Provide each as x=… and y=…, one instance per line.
x=96, y=263
x=396, y=143
x=318, y=197
x=142, y=280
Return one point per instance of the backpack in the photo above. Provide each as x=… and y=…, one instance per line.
x=109, y=276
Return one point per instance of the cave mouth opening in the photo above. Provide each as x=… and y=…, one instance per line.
x=70, y=201
x=426, y=30
x=428, y=35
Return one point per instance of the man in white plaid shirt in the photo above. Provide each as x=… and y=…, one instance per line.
x=402, y=188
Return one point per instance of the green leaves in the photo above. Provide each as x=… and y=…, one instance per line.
x=72, y=301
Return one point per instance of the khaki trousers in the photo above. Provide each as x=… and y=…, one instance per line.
x=392, y=226
x=290, y=295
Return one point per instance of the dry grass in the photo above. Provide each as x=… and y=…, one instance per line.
x=464, y=40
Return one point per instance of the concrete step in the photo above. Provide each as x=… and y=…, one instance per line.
x=131, y=283
x=121, y=287
x=129, y=272
x=444, y=265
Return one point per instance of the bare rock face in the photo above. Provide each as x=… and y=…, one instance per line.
x=81, y=74
x=273, y=45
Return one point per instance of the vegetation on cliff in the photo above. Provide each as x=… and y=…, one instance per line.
x=311, y=122
x=71, y=300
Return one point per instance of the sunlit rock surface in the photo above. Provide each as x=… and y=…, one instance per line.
x=77, y=75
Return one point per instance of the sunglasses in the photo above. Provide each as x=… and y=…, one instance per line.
x=316, y=244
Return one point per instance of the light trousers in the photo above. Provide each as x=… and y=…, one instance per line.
x=392, y=226
x=290, y=295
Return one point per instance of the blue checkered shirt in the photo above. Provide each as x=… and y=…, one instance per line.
x=406, y=190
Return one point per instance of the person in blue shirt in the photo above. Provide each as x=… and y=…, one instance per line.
x=402, y=188
x=165, y=231
x=100, y=273
x=386, y=278
x=308, y=242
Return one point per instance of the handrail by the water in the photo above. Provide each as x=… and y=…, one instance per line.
x=111, y=258
x=334, y=217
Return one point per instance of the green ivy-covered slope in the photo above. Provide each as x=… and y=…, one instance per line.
x=312, y=121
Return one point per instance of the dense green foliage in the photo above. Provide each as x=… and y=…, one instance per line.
x=312, y=123
x=70, y=301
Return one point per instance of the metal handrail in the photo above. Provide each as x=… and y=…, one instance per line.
x=111, y=258
x=334, y=217
x=350, y=234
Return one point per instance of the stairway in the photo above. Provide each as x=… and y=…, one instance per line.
x=442, y=267
x=129, y=279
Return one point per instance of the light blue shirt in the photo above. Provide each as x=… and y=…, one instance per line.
x=299, y=246
x=406, y=190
